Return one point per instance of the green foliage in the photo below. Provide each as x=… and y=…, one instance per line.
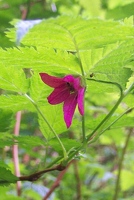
x=6, y=177
x=16, y=83
x=14, y=103
x=5, y=120
x=127, y=180
x=75, y=33
x=86, y=41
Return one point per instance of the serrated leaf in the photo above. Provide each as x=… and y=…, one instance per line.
x=47, y=60
x=29, y=141
x=54, y=115
x=38, y=90
x=77, y=33
x=14, y=79
x=15, y=103
x=111, y=66
x=5, y=120
x=6, y=177
x=6, y=139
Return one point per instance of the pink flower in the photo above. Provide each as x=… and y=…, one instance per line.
x=68, y=90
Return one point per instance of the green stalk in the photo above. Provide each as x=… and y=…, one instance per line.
x=120, y=116
x=122, y=96
x=83, y=75
x=50, y=127
x=102, y=123
x=113, y=109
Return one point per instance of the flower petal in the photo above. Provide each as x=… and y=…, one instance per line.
x=52, y=81
x=69, y=108
x=81, y=100
x=74, y=81
x=59, y=95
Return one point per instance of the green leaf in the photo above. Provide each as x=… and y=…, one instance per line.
x=40, y=60
x=73, y=33
x=29, y=141
x=38, y=90
x=12, y=78
x=6, y=139
x=54, y=115
x=111, y=66
x=6, y=177
x=3, y=164
x=5, y=120
x=15, y=103
x=69, y=144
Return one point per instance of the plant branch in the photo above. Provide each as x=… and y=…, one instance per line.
x=117, y=185
x=15, y=152
x=107, y=128
x=102, y=123
x=37, y=175
x=50, y=127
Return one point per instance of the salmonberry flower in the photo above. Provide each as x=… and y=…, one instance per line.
x=67, y=90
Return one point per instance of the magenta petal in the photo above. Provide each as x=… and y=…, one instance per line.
x=81, y=100
x=52, y=81
x=74, y=81
x=59, y=95
x=69, y=108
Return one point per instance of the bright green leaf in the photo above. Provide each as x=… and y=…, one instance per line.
x=6, y=177
x=12, y=78
x=15, y=103
x=54, y=115
x=5, y=120
x=75, y=33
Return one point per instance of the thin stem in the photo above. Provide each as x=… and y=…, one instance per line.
x=117, y=185
x=127, y=91
x=83, y=74
x=107, y=128
x=102, y=123
x=15, y=152
x=107, y=82
x=50, y=127
x=83, y=124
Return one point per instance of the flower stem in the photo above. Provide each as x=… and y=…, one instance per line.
x=50, y=127
x=83, y=74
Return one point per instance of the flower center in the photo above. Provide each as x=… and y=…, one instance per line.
x=71, y=88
